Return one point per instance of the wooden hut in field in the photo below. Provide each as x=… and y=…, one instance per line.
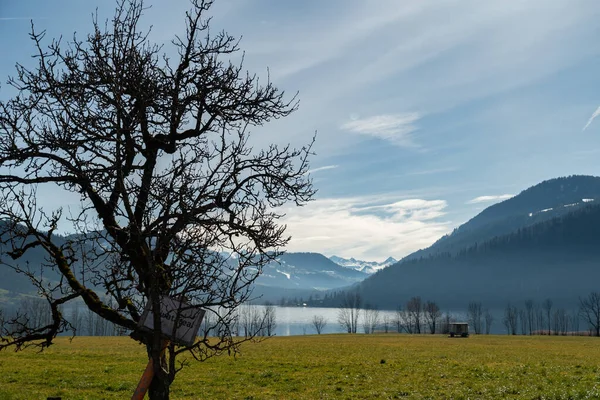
x=459, y=329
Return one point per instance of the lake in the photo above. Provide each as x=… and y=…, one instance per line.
x=298, y=320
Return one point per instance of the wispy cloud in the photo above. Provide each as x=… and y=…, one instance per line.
x=432, y=171
x=19, y=18
x=395, y=128
x=326, y=167
x=425, y=56
x=592, y=118
x=305, y=43
x=487, y=199
x=365, y=227
x=418, y=209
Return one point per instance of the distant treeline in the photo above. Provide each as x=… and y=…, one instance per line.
x=250, y=320
x=418, y=316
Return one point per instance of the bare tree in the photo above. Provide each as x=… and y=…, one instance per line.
x=432, y=316
x=400, y=320
x=94, y=325
x=523, y=321
x=235, y=324
x=174, y=199
x=547, y=306
x=556, y=322
x=529, y=310
x=561, y=321
x=75, y=320
x=349, y=311
x=386, y=322
x=446, y=321
x=370, y=319
x=345, y=318
x=269, y=320
x=36, y=311
x=89, y=323
x=511, y=319
x=319, y=322
x=589, y=309
x=250, y=320
x=539, y=317
x=304, y=328
x=575, y=315
x=414, y=309
x=208, y=324
x=3, y=317
x=474, y=314
x=489, y=320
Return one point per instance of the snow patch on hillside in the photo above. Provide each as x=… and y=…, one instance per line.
x=531, y=214
x=284, y=273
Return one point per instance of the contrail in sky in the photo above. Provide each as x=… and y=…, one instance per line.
x=594, y=115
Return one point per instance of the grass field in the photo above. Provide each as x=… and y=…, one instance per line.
x=322, y=367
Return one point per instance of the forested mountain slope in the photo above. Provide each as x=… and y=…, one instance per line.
x=557, y=258
x=544, y=201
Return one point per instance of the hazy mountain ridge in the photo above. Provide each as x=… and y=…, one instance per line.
x=301, y=271
x=32, y=259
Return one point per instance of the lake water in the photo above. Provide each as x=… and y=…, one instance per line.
x=291, y=321
x=298, y=320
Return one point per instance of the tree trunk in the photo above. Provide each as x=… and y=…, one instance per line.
x=159, y=389
x=160, y=386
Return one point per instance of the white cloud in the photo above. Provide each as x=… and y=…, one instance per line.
x=393, y=127
x=364, y=227
x=486, y=199
x=593, y=117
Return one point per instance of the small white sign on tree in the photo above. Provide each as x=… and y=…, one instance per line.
x=172, y=311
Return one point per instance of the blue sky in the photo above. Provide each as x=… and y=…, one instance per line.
x=426, y=112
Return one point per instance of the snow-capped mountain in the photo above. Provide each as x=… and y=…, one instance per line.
x=308, y=271
x=368, y=267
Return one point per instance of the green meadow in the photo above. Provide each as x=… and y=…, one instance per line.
x=322, y=367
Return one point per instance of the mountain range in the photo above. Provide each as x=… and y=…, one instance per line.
x=292, y=274
x=539, y=244
x=368, y=267
x=308, y=271
x=542, y=243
